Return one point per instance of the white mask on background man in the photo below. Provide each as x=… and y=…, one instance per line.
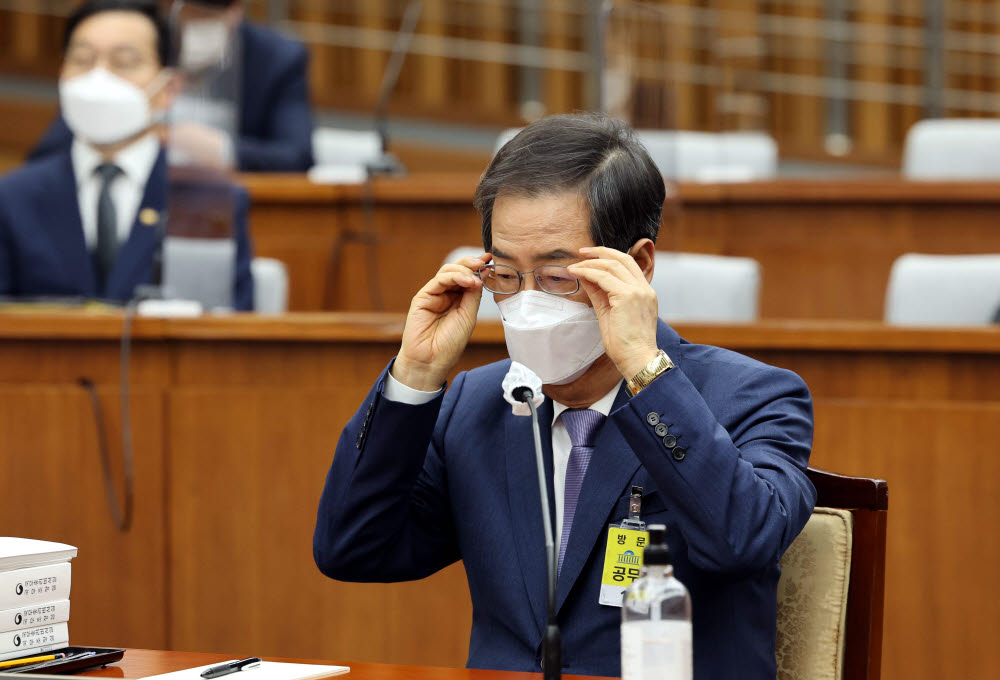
x=103, y=108
x=204, y=43
x=556, y=338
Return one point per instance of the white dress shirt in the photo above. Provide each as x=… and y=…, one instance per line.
x=127, y=189
x=561, y=444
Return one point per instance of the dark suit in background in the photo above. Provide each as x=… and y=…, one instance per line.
x=275, y=129
x=43, y=251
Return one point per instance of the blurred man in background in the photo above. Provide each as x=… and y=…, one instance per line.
x=86, y=220
x=230, y=62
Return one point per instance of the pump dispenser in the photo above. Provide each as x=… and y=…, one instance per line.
x=656, y=618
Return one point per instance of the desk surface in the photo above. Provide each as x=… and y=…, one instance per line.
x=141, y=663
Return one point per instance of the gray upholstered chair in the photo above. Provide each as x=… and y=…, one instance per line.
x=943, y=290
x=697, y=287
x=270, y=285
x=953, y=149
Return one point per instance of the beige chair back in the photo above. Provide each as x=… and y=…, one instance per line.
x=812, y=598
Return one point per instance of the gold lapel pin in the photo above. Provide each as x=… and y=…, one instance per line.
x=149, y=216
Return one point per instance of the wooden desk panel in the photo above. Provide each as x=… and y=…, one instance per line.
x=825, y=247
x=251, y=409
x=53, y=488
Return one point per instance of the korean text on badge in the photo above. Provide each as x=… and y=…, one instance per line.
x=622, y=563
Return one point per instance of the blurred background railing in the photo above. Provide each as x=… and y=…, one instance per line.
x=828, y=79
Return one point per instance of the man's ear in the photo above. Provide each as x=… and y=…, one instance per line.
x=644, y=254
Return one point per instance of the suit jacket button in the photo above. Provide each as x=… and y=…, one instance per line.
x=661, y=430
x=653, y=418
x=670, y=441
x=679, y=453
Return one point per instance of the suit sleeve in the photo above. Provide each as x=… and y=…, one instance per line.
x=739, y=494
x=288, y=146
x=57, y=137
x=243, y=284
x=385, y=514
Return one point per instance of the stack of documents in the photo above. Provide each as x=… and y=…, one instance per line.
x=34, y=596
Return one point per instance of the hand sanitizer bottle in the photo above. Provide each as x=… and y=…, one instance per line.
x=656, y=618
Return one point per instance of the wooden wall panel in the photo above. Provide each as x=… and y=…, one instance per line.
x=53, y=489
x=679, y=35
x=411, y=245
x=268, y=469
x=871, y=120
x=305, y=239
x=937, y=600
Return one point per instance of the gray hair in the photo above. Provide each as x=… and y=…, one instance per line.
x=594, y=154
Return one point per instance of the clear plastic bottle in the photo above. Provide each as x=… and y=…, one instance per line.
x=656, y=618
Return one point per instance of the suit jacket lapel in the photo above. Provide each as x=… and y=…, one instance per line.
x=133, y=265
x=525, y=509
x=611, y=467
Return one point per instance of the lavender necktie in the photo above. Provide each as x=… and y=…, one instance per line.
x=582, y=426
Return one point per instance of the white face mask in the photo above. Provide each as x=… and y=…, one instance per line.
x=103, y=108
x=204, y=43
x=556, y=338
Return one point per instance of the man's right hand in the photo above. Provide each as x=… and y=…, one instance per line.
x=438, y=326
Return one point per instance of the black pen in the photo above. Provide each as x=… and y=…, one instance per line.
x=230, y=667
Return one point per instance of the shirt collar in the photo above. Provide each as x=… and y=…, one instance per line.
x=602, y=405
x=136, y=160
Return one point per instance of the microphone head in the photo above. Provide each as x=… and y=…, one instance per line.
x=522, y=393
x=519, y=385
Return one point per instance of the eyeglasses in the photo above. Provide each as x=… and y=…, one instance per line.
x=504, y=280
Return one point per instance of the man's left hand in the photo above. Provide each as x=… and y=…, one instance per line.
x=625, y=304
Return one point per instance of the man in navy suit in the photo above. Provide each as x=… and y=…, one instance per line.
x=719, y=442
x=273, y=118
x=87, y=221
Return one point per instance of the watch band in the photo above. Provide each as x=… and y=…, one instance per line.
x=660, y=364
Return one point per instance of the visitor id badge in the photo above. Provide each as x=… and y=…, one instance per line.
x=622, y=562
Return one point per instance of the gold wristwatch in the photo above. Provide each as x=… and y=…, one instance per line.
x=660, y=364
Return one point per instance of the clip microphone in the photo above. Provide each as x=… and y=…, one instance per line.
x=523, y=394
x=522, y=387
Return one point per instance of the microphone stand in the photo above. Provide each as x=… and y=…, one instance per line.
x=552, y=642
x=388, y=164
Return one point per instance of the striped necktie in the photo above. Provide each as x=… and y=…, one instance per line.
x=582, y=426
